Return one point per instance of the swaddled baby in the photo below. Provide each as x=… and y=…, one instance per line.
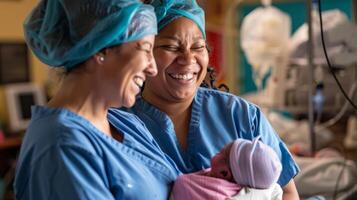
x=243, y=169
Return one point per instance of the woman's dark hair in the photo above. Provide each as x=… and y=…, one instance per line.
x=211, y=81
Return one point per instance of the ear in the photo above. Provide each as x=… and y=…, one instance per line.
x=100, y=56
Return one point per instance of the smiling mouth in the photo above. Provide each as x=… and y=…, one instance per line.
x=184, y=77
x=139, y=81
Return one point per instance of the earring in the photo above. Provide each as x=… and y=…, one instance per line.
x=101, y=58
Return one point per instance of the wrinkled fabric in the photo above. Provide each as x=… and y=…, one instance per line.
x=274, y=192
x=68, y=32
x=198, y=186
x=217, y=118
x=254, y=164
x=63, y=156
x=169, y=10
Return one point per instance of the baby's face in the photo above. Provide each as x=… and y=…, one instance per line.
x=220, y=164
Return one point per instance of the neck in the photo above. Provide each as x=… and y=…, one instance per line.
x=171, y=108
x=79, y=94
x=179, y=113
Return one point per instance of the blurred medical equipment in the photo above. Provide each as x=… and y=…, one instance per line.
x=351, y=138
x=287, y=87
x=304, y=83
x=319, y=176
x=265, y=35
x=342, y=90
x=295, y=133
x=334, y=39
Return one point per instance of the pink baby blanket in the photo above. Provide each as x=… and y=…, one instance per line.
x=197, y=186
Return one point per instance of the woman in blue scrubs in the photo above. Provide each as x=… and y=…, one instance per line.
x=76, y=147
x=191, y=124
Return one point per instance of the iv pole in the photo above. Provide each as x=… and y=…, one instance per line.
x=310, y=53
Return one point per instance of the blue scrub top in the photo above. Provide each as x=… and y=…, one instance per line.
x=217, y=118
x=63, y=156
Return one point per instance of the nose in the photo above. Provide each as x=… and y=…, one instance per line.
x=151, y=69
x=187, y=58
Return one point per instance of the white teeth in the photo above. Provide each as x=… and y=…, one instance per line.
x=187, y=76
x=138, y=81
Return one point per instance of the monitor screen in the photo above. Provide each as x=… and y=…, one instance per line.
x=26, y=101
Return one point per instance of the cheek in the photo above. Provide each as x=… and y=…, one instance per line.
x=214, y=161
x=161, y=66
x=217, y=160
x=139, y=63
x=204, y=57
x=163, y=59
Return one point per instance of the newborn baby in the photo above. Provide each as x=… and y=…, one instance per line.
x=243, y=169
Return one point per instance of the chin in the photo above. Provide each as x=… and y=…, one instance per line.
x=183, y=95
x=128, y=103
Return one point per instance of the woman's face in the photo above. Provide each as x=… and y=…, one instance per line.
x=182, y=58
x=127, y=66
x=220, y=164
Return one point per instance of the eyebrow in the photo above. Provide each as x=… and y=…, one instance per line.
x=177, y=39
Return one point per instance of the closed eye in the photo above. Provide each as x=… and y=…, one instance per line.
x=224, y=173
x=172, y=48
x=199, y=48
x=145, y=50
x=145, y=46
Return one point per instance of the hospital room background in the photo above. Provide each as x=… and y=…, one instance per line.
x=273, y=53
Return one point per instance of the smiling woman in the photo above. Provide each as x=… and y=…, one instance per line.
x=77, y=147
x=184, y=66
x=191, y=123
x=128, y=79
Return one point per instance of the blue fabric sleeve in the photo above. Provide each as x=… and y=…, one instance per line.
x=69, y=172
x=261, y=126
x=250, y=122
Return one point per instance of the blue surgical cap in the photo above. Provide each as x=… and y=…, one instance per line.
x=68, y=32
x=169, y=10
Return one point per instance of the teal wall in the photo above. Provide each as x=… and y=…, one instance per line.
x=297, y=12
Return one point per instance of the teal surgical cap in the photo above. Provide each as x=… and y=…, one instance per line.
x=68, y=32
x=169, y=10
